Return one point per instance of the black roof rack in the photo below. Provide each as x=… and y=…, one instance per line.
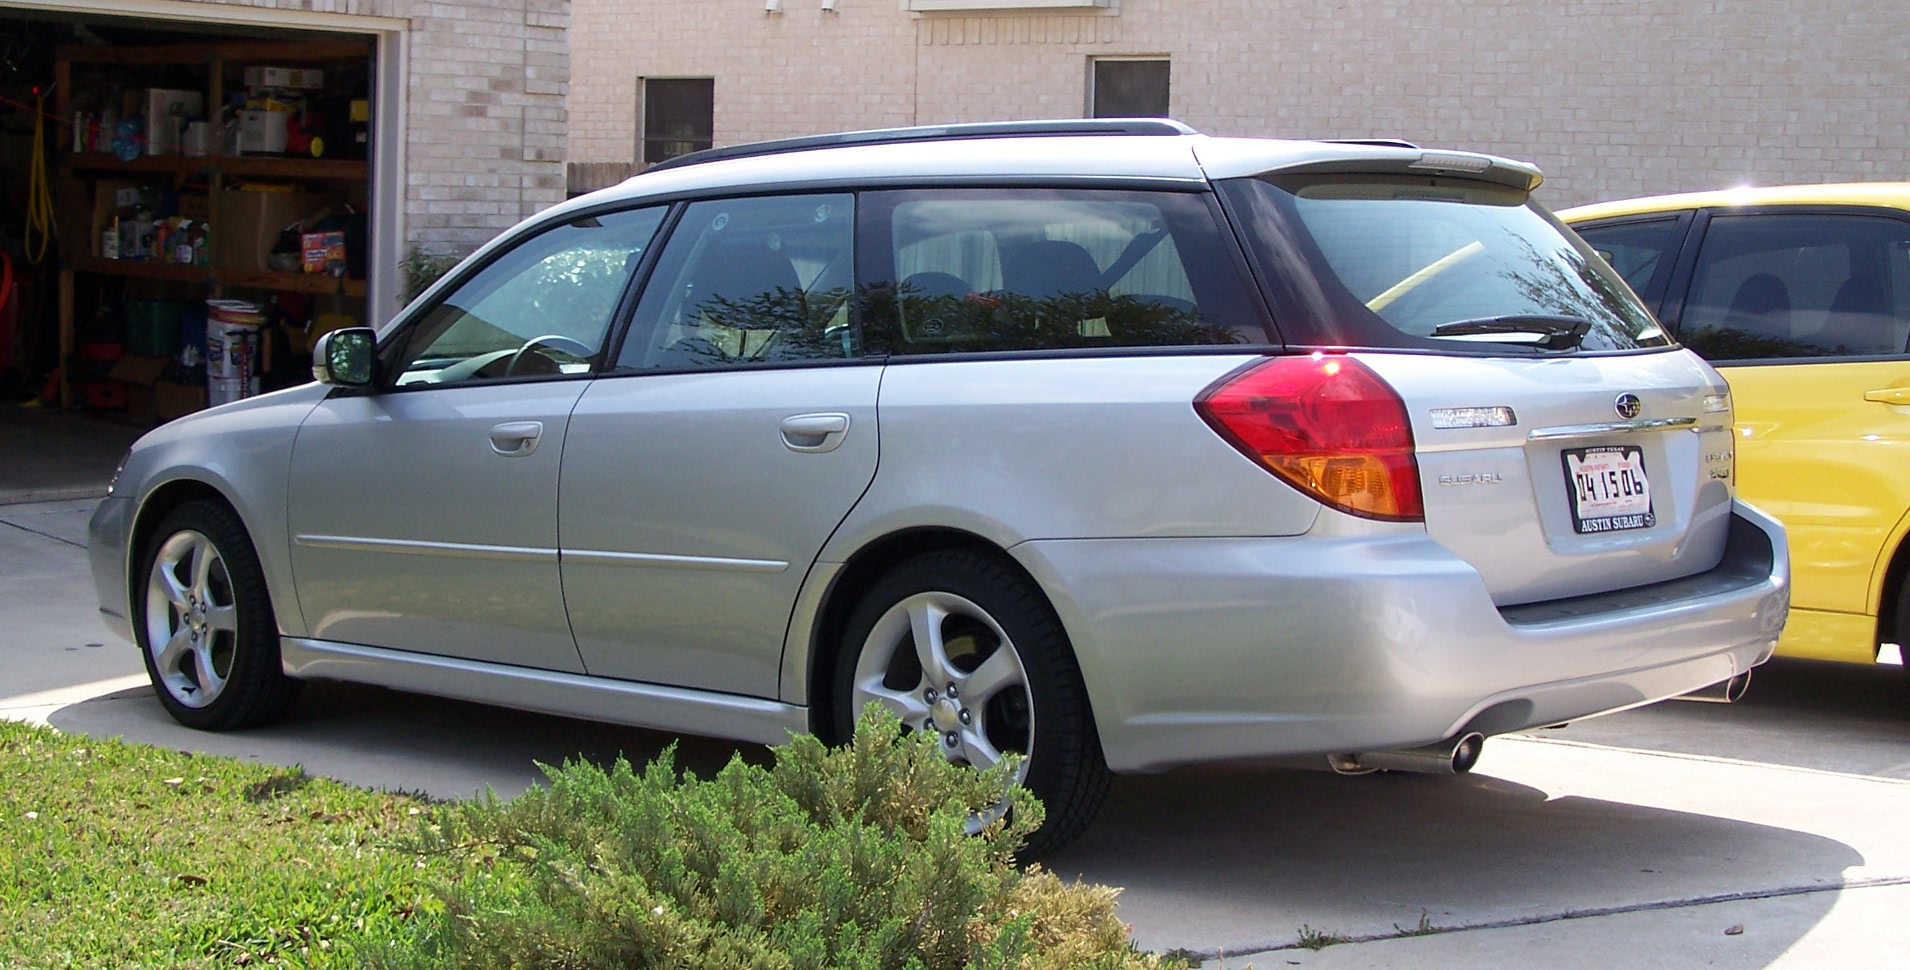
x=1377, y=142
x=890, y=136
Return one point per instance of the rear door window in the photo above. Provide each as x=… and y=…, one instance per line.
x=1640, y=251
x=750, y=281
x=1031, y=269
x=1770, y=285
x=1432, y=263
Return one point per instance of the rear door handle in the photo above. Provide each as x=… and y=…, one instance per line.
x=515, y=439
x=815, y=432
x=1889, y=395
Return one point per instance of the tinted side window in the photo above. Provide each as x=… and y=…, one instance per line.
x=749, y=281
x=541, y=308
x=1635, y=249
x=994, y=270
x=1805, y=285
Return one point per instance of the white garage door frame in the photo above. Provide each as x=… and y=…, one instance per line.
x=391, y=35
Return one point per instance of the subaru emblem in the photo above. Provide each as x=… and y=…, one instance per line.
x=1628, y=406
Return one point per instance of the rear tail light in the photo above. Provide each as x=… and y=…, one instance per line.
x=1325, y=424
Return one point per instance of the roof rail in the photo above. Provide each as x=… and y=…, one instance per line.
x=1377, y=142
x=890, y=136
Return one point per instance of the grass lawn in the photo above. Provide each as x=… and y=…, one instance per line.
x=119, y=855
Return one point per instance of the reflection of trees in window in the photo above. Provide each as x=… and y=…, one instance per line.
x=1563, y=282
x=1730, y=343
x=1011, y=321
x=778, y=324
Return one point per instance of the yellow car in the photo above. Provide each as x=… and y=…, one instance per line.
x=1801, y=297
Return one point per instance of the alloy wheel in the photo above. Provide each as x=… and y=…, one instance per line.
x=192, y=618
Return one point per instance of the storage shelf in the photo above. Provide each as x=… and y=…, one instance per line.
x=282, y=282
x=267, y=50
x=347, y=169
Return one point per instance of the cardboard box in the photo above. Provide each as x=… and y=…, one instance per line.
x=294, y=78
x=324, y=252
x=150, y=397
x=263, y=132
x=246, y=225
x=172, y=400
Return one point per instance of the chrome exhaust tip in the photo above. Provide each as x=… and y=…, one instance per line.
x=1723, y=692
x=1452, y=757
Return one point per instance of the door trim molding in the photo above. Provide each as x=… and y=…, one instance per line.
x=591, y=557
x=656, y=559
x=420, y=547
x=655, y=706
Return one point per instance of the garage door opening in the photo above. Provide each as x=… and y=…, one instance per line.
x=188, y=204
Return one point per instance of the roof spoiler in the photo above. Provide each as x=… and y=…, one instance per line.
x=889, y=136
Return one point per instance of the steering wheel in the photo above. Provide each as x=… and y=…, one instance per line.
x=555, y=341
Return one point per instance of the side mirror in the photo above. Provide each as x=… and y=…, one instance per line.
x=344, y=358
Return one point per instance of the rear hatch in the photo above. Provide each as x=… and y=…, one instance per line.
x=1564, y=445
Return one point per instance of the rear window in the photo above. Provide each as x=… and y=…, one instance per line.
x=988, y=270
x=1433, y=263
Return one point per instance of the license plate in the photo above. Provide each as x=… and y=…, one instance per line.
x=1610, y=491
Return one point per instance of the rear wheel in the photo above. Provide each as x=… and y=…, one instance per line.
x=961, y=645
x=206, y=626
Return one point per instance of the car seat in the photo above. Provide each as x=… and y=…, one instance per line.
x=1860, y=321
x=1049, y=268
x=1761, y=307
x=723, y=318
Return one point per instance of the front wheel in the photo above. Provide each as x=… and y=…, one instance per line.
x=206, y=626
x=961, y=645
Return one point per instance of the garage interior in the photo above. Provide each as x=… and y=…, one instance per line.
x=186, y=207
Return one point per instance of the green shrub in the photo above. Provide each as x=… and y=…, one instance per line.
x=421, y=269
x=857, y=857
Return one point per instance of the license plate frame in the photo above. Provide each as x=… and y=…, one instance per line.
x=1607, y=489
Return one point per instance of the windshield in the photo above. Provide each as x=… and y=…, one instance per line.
x=1435, y=263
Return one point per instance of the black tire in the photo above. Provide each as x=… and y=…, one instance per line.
x=254, y=689
x=1067, y=770
x=1903, y=629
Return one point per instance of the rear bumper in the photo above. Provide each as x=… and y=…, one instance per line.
x=1210, y=649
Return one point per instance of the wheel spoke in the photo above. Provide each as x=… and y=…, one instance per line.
x=174, y=651
x=210, y=682
x=1002, y=669
x=906, y=705
x=204, y=557
x=223, y=618
x=925, y=625
x=169, y=583
x=977, y=750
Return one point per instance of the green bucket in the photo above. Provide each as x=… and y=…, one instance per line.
x=152, y=327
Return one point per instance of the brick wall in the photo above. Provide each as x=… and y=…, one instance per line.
x=485, y=109
x=1610, y=97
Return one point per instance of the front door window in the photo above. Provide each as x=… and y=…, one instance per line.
x=541, y=309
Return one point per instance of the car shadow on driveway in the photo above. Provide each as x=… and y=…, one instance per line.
x=1232, y=858
x=1239, y=857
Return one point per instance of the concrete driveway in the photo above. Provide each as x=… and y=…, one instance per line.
x=1768, y=833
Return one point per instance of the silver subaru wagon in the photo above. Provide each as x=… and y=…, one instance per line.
x=1107, y=444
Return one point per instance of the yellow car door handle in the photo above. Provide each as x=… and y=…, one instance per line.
x=1889, y=395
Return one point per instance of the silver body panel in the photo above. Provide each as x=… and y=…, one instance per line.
x=690, y=474
x=691, y=543
x=242, y=451
x=408, y=529
x=1361, y=636
x=551, y=692
x=1497, y=497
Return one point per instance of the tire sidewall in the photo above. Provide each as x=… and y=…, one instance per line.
x=255, y=659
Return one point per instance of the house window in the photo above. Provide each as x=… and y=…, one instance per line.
x=678, y=116
x=1129, y=89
